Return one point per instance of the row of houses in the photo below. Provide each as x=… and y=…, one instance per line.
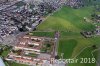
x=31, y=45
x=28, y=40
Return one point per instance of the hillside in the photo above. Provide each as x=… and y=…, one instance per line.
x=68, y=19
x=69, y=22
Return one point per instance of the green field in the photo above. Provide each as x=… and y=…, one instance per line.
x=70, y=23
x=42, y=34
x=68, y=19
x=86, y=53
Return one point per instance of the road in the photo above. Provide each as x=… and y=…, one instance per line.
x=57, y=34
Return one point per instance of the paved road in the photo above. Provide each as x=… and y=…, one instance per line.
x=57, y=34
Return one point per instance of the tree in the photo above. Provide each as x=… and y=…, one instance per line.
x=94, y=47
x=48, y=45
x=57, y=57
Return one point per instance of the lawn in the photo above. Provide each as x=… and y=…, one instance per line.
x=31, y=55
x=42, y=34
x=5, y=51
x=16, y=64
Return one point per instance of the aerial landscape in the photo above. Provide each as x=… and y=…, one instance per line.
x=49, y=32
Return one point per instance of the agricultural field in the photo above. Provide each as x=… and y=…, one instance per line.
x=70, y=22
x=68, y=19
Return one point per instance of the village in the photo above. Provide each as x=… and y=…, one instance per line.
x=40, y=32
x=22, y=16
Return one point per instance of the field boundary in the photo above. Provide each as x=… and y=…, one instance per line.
x=94, y=57
x=91, y=53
